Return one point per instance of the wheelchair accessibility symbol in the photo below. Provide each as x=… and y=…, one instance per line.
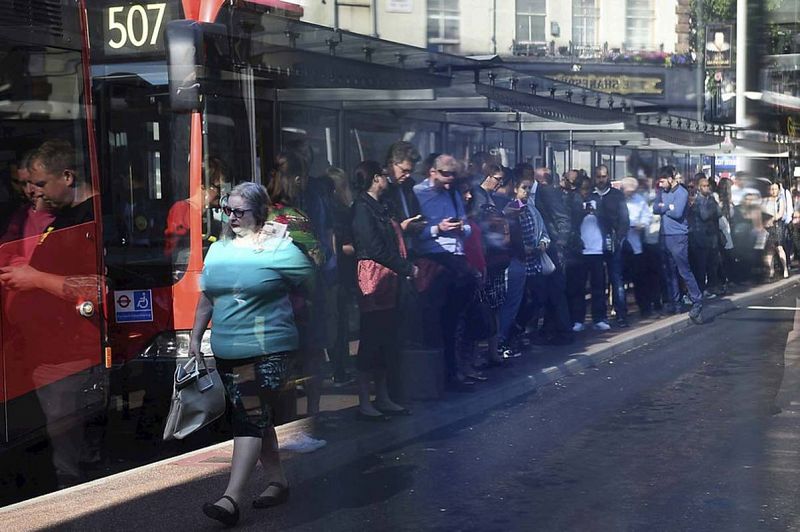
x=132, y=306
x=143, y=302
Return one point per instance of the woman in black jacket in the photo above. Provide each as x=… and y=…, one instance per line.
x=381, y=266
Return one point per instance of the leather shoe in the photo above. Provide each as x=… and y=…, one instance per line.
x=222, y=515
x=460, y=386
x=388, y=412
x=366, y=417
x=268, y=501
x=477, y=377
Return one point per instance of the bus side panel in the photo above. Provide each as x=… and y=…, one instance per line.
x=49, y=348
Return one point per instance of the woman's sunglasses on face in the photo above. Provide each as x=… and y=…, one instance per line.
x=238, y=213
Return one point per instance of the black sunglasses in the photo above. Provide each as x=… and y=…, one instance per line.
x=238, y=213
x=445, y=173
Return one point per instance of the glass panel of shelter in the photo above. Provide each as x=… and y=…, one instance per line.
x=314, y=130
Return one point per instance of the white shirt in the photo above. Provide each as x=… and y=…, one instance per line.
x=591, y=236
x=787, y=198
x=640, y=214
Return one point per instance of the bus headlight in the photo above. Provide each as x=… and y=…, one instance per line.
x=175, y=344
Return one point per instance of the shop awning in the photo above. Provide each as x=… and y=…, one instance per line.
x=769, y=149
x=683, y=137
x=551, y=108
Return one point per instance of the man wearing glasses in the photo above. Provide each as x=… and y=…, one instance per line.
x=442, y=241
x=400, y=162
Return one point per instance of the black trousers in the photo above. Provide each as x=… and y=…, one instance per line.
x=339, y=353
x=458, y=284
x=705, y=264
x=547, y=295
x=378, y=346
x=655, y=287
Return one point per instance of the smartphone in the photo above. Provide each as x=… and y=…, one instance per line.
x=454, y=220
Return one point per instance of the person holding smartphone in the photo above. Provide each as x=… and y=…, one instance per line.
x=442, y=241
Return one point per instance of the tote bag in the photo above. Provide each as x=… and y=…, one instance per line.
x=198, y=398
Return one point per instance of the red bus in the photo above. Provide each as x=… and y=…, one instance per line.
x=108, y=198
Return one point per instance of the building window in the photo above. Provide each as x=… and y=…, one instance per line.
x=530, y=21
x=639, y=17
x=584, y=23
x=444, y=20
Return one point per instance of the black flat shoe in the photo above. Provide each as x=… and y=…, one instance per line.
x=460, y=386
x=401, y=412
x=222, y=515
x=476, y=377
x=268, y=501
x=366, y=417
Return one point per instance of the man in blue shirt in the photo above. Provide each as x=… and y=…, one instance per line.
x=442, y=241
x=671, y=203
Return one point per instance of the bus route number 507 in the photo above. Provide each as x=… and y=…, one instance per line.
x=135, y=25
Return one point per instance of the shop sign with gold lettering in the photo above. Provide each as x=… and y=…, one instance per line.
x=793, y=125
x=651, y=85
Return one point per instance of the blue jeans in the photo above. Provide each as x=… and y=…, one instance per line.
x=676, y=262
x=614, y=265
x=514, y=293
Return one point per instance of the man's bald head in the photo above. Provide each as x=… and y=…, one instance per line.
x=542, y=176
x=444, y=170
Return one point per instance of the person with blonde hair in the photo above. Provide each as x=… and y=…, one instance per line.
x=773, y=209
x=639, y=215
x=339, y=351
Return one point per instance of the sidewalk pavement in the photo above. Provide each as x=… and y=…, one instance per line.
x=167, y=495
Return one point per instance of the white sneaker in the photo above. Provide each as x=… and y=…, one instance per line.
x=302, y=443
x=601, y=326
x=578, y=327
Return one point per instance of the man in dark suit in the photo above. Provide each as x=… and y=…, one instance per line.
x=612, y=212
x=400, y=162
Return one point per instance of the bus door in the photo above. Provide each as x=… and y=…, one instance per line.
x=51, y=340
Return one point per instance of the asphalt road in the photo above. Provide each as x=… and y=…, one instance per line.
x=682, y=434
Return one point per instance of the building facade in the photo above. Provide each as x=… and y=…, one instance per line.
x=582, y=28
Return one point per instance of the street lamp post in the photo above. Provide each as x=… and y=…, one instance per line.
x=742, y=163
x=494, y=27
x=741, y=63
x=701, y=59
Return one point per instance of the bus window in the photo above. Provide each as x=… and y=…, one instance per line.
x=49, y=257
x=145, y=181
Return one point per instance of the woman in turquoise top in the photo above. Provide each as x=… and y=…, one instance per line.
x=245, y=292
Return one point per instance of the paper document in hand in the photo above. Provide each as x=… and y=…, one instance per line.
x=274, y=230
